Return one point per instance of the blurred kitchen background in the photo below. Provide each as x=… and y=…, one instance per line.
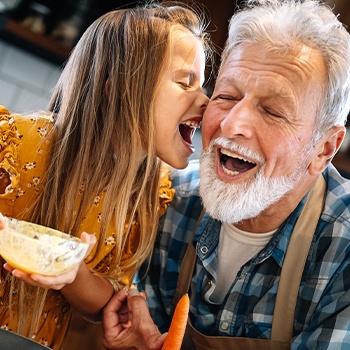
x=36, y=37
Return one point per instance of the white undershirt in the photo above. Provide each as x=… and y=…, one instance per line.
x=236, y=247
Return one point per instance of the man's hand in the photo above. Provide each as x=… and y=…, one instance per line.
x=128, y=325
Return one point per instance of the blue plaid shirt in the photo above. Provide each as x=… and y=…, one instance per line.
x=322, y=315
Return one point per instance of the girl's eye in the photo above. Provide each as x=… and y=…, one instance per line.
x=183, y=84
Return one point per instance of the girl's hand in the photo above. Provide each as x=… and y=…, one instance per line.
x=2, y=222
x=53, y=282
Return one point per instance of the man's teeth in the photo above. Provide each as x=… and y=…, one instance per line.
x=232, y=155
x=229, y=172
x=233, y=164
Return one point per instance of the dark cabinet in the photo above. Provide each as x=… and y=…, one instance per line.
x=50, y=29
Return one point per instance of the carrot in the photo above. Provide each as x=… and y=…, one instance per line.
x=178, y=324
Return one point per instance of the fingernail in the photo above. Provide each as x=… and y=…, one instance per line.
x=126, y=289
x=133, y=292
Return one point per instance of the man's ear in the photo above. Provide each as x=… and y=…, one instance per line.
x=326, y=149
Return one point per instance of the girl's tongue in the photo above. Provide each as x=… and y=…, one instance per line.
x=187, y=133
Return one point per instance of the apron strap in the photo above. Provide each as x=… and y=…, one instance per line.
x=187, y=265
x=294, y=263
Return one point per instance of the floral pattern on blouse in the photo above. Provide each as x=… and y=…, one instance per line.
x=24, y=147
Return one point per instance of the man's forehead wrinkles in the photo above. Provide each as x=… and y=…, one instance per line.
x=273, y=88
x=263, y=82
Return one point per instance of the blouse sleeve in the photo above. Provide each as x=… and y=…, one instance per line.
x=25, y=143
x=9, y=141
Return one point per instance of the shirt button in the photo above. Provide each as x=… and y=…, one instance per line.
x=210, y=282
x=242, y=276
x=224, y=326
x=204, y=250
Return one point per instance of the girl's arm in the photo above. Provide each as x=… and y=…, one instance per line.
x=88, y=293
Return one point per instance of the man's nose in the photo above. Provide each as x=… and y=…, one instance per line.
x=239, y=121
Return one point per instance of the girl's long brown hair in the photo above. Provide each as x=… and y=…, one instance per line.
x=103, y=107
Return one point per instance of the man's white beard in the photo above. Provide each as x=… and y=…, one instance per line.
x=231, y=202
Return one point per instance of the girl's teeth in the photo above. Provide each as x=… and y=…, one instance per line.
x=191, y=123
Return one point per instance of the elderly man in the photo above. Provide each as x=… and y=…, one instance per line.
x=268, y=265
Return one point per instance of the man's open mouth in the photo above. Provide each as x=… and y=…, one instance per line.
x=187, y=130
x=232, y=164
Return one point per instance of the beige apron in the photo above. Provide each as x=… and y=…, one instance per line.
x=292, y=269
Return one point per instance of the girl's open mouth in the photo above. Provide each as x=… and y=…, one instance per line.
x=187, y=130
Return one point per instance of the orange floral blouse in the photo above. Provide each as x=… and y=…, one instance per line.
x=24, y=146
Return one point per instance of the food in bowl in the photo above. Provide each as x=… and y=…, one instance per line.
x=38, y=249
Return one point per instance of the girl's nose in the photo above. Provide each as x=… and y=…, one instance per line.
x=203, y=100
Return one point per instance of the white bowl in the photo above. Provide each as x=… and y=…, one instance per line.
x=38, y=249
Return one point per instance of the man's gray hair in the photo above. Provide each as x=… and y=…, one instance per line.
x=283, y=24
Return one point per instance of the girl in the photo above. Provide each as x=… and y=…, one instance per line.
x=131, y=91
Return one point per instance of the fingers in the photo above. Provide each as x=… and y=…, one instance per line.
x=156, y=341
x=133, y=293
x=137, y=303
x=140, y=332
x=90, y=239
x=8, y=267
x=110, y=313
x=2, y=222
x=87, y=238
x=16, y=272
x=117, y=301
x=53, y=282
x=141, y=317
x=25, y=277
